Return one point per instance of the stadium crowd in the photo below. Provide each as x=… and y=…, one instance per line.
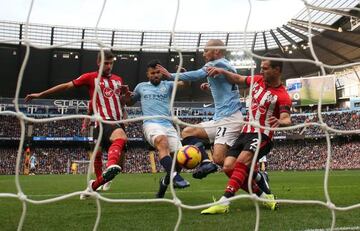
x=49, y=160
x=294, y=155
x=312, y=154
x=339, y=120
x=287, y=155
x=10, y=126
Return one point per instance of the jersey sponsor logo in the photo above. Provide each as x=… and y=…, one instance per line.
x=156, y=97
x=256, y=107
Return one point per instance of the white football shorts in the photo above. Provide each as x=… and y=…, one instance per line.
x=152, y=130
x=224, y=134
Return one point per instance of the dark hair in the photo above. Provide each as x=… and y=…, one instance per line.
x=274, y=63
x=107, y=55
x=153, y=63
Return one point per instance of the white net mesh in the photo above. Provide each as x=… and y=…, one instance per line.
x=96, y=41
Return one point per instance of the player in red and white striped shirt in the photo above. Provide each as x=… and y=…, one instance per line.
x=270, y=107
x=110, y=107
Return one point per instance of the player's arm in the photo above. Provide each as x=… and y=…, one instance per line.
x=125, y=92
x=57, y=88
x=233, y=78
x=86, y=122
x=183, y=84
x=131, y=98
x=124, y=113
x=283, y=121
x=184, y=76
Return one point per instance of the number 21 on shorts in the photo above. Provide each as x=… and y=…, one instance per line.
x=221, y=131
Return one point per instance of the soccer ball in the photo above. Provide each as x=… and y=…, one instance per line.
x=189, y=156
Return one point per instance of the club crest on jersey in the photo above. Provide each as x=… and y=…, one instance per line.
x=163, y=89
x=108, y=92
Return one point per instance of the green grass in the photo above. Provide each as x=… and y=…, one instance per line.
x=73, y=214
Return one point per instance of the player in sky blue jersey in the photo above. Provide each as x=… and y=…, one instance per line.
x=227, y=110
x=155, y=96
x=32, y=164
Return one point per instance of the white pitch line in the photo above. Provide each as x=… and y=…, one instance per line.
x=336, y=229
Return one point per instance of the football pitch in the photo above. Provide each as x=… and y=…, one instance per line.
x=73, y=214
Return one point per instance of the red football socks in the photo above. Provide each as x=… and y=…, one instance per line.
x=114, y=154
x=237, y=179
x=114, y=151
x=98, y=164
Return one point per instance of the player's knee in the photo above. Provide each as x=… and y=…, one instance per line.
x=161, y=142
x=227, y=168
x=118, y=134
x=229, y=164
x=218, y=159
x=123, y=136
x=188, y=131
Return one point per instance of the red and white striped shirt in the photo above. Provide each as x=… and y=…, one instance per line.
x=108, y=95
x=266, y=102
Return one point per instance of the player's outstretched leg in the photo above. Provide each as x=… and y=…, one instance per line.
x=88, y=190
x=262, y=177
x=112, y=167
x=238, y=180
x=178, y=181
x=106, y=186
x=258, y=177
x=98, y=164
x=161, y=143
x=207, y=166
x=262, y=180
x=162, y=188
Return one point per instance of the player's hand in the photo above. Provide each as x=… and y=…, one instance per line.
x=128, y=96
x=205, y=86
x=124, y=89
x=274, y=122
x=182, y=69
x=29, y=97
x=163, y=71
x=125, y=116
x=214, y=71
